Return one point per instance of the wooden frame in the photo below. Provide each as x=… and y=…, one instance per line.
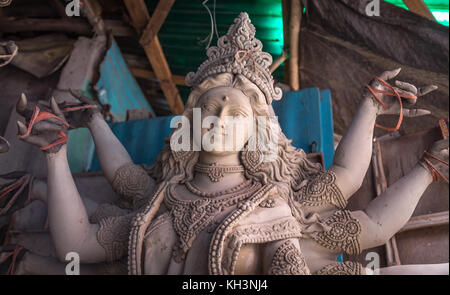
x=149, y=27
x=419, y=7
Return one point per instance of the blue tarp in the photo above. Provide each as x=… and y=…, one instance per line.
x=118, y=87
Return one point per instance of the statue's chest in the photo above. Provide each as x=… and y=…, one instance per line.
x=194, y=221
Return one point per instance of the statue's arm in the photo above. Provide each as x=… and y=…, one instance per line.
x=390, y=211
x=115, y=161
x=68, y=220
x=353, y=231
x=284, y=257
x=352, y=157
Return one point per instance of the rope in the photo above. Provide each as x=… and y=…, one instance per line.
x=392, y=93
x=15, y=253
x=40, y=116
x=434, y=171
x=9, y=57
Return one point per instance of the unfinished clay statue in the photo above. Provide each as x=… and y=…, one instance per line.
x=238, y=211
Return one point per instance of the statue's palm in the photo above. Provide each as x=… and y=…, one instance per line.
x=411, y=92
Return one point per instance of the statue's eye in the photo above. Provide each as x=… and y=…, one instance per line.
x=239, y=115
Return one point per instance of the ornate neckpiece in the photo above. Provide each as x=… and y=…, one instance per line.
x=216, y=172
x=196, y=191
x=190, y=217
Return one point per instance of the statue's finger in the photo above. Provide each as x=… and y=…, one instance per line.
x=415, y=112
x=406, y=86
x=407, y=94
x=22, y=107
x=36, y=140
x=390, y=74
x=22, y=128
x=425, y=90
x=403, y=91
x=22, y=104
x=55, y=108
x=47, y=126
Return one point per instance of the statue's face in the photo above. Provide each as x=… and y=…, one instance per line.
x=226, y=120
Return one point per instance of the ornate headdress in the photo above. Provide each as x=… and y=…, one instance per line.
x=239, y=52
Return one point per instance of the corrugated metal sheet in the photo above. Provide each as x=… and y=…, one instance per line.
x=188, y=23
x=439, y=8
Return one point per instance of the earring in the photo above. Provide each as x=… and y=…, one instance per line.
x=252, y=159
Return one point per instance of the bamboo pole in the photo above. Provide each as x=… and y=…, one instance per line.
x=277, y=62
x=294, y=36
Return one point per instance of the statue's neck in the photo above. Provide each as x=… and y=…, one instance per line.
x=229, y=180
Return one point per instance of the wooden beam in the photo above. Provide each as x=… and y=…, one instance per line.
x=140, y=18
x=425, y=221
x=72, y=25
x=294, y=36
x=147, y=74
x=119, y=28
x=59, y=7
x=419, y=7
x=139, y=14
x=156, y=22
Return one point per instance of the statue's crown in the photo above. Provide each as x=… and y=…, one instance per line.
x=239, y=52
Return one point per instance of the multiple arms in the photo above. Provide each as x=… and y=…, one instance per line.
x=68, y=219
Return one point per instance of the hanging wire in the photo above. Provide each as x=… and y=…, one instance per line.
x=4, y=3
x=212, y=17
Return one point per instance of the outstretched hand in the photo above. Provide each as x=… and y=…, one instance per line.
x=436, y=160
x=407, y=91
x=44, y=128
x=80, y=115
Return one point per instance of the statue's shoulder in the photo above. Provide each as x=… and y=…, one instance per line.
x=319, y=189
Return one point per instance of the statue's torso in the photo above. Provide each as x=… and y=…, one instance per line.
x=177, y=240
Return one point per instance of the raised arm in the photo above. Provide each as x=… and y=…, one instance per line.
x=68, y=220
x=352, y=157
x=127, y=179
